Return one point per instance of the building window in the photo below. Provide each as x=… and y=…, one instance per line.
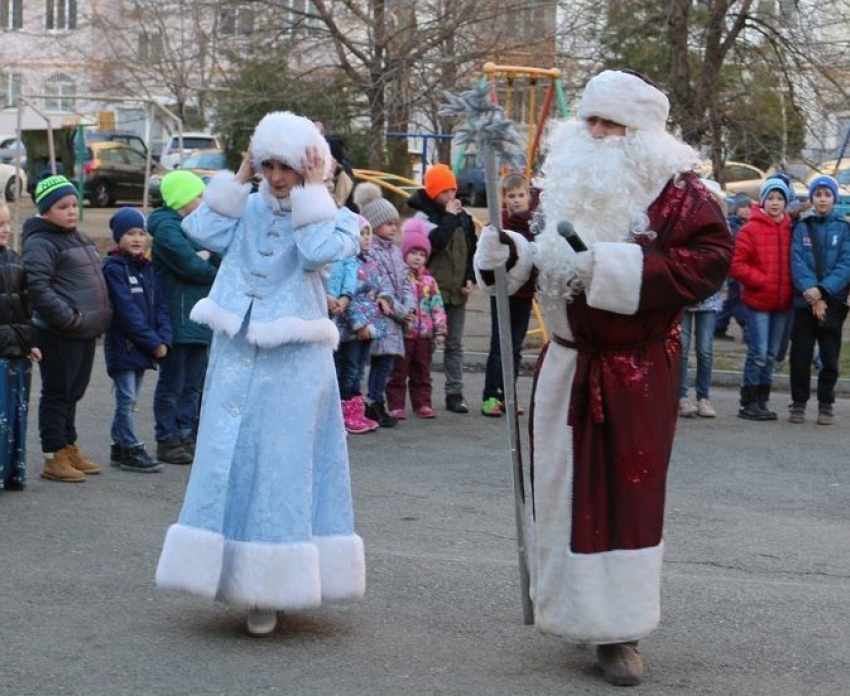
x=11, y=15
x=62, y=90
x=10, y=84
x=302, y=17
x=60, y=14
x=150, y=46
x=236, y=20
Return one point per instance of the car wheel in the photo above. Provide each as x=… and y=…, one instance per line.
x=102, y=195
x=14, y=188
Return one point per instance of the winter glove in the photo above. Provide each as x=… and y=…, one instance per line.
x=490, y=252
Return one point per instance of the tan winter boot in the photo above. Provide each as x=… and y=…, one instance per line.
x=57, y=467
x=621, y=663
x=79, y=462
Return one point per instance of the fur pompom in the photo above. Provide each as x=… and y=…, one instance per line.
x=365, y=193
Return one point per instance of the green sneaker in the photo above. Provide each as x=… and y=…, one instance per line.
x=492, y=407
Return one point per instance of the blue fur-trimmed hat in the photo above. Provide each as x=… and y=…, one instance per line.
x=823, y=181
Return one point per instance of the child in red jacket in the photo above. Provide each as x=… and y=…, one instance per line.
x=761, y=263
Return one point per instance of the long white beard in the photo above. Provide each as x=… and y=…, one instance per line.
x=603, y=187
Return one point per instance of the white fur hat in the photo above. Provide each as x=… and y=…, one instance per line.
x=625, y=99
x=284, y=136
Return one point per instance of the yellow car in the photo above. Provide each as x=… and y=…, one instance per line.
x=736, y=177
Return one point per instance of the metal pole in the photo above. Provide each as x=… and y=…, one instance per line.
x=512, y=416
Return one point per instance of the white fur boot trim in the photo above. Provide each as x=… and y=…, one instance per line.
x=190, y=560
x=342, y=566
x=207, y=312
x=270, y=576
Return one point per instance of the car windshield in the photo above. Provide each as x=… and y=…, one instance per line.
x=207, y=160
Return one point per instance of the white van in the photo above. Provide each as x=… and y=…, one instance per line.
x=171, y=154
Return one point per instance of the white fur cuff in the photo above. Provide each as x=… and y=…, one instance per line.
x=616, y=277
x=226, y=196
x=190, y=560
x=342, y=567
x=311, y=204
x=268, y=334
x=208, y=313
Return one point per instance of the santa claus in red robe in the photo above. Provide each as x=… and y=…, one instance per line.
x=604, y=407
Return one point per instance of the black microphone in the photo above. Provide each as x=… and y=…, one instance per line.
x=568, y=232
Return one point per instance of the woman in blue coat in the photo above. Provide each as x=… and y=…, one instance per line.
x=267, y=522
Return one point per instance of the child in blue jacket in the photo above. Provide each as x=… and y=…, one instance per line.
x=138, y=337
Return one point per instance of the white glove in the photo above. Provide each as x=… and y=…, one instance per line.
x=584, y=267
x=490, y=252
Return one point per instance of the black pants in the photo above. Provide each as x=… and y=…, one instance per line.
x=804, y=334
x=65, y=367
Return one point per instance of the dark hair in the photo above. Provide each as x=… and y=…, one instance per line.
x=514, y=180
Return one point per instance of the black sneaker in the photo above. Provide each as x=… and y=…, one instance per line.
x=116, y=454
x=377, y=411
x=456, y=403
x=137, y=459
x=189, y=444
x=172, y=451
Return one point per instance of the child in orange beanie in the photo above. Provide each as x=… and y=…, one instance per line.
x=451, y=233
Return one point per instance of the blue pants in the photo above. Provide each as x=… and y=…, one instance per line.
x=765, y=333
x=379, y=372
x=351, y=358
x=177, y=399
x=520, y=314
x=126, y=385
x=700, y=324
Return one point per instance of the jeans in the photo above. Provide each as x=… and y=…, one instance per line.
x=733, y=306
x=65, y=368
x=765, y=331
x=804, y=334
x=177, y=399
x=453, y=350
x=520, y=314
x=351, y=358
x=702, y=324
x=126, y=385
x=379, y=372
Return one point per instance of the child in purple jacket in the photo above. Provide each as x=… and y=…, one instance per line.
x=427, y=327
x=360, y=322
x=384, y=218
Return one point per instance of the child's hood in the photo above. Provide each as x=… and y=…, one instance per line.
x=38, y=224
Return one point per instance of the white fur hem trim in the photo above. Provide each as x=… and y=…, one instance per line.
x=190, y=560
x=616, y=277
x=342, y=567
x=268, y=334
x=207, y=312
x=226, y=196
x=609, y=597
x=311, y=204
x=270, y=576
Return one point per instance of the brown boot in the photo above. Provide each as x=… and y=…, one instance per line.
x=621, y=663
x=79, y=462
x=58, y=468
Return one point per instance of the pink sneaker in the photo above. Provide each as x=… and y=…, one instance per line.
x=399, y=414
x=426, y=412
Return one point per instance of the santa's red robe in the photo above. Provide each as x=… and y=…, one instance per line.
x=604, y=416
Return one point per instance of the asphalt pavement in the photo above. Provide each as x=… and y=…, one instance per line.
x=755, y=586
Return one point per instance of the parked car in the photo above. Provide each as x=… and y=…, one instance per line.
x=126, y=137
x=471, y=186
x=736, y=177
x=204, y=163
x=11, y=149
x=13, y=181
x=114, y=171
x=191, y=141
